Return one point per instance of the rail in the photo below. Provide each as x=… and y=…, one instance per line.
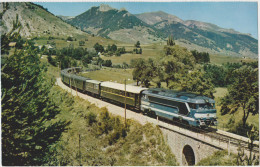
x=213, y=136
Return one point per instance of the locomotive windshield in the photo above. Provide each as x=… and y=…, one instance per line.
x=202, y=106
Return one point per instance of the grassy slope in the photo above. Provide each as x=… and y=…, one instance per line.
x=219, y=158
x=143, y=145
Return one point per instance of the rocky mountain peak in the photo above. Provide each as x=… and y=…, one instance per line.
x=105, y=8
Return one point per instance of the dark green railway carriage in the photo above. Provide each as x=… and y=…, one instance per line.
x=78, y=82
x=65, y=77
x=92, y=86
x=116, y=92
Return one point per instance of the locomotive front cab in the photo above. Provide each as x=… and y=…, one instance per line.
x=204, y=113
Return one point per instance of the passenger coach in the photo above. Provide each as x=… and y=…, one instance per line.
x=116, y=92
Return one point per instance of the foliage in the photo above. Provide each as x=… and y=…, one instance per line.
x=12, y=36
x=238, y=128
x=201, y=57
x=107, y=63
x=99, y=48
x=194, y=82
x=143, y=144
x=69, y=39
x=28, y=128
x=137, y=45
x=219, y=158
x=217, y=74
x=138, y=51
x=143, y=70
x=91, y=118
x=51, y=60
x=81, y=43
x=242, y=158
x=175, y=62
x=242, y=93
x=170, y=41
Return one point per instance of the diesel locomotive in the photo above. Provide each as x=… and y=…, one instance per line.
x=190, y=108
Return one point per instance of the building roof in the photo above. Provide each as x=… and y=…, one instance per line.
x=118, y=86
x=178, y=95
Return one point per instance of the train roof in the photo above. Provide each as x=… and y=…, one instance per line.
x=79, y=78
x=118, y=86
x=178, y=95
x=93, y=81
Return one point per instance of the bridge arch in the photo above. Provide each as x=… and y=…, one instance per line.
x=188, y=156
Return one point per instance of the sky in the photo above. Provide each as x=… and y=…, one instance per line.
x=240, y=16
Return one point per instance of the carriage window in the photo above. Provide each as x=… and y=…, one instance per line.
x=206, y=106
x=192, y=106
x=183, y=109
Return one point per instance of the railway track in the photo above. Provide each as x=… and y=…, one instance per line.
x=212, y=133
x=221, y=136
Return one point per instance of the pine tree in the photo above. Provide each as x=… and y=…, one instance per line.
x=28, y=128
x=170, y=41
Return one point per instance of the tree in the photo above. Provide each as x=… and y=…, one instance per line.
x=243, y=93
x=201, y=57
x=176, y=61
x=170, y=41
x=113, y=48
x=137, y=45
x=216, y=74
x=11, y=36
x=69, y=39
x=28, y=128
x=251, y=160
x=138, y=65
x=99, y=48
x=107, y=63
x=144, y=70
x=81, y=43
x=194, y=82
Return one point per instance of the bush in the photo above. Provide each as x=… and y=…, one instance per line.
x=69, y=39
x=91, y=118
x=239, y=129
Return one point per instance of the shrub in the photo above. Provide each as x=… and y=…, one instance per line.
x=91, y=118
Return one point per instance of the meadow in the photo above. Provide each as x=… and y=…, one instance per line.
x=153, y=51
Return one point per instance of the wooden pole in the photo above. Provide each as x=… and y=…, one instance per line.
x=125, y=102
x=79, y=153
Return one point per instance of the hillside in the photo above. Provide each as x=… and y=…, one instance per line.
x=203, y=34
x=35, y=20
x=115, y=24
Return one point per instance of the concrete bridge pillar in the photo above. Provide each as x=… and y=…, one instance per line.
x=188, y=151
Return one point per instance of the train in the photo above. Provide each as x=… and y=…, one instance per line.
x=192, y=109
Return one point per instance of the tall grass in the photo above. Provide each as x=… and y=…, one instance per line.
x=102, y=142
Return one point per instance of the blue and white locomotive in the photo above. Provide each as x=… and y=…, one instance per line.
x=190, y=108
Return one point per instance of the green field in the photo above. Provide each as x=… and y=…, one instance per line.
x=111, y=74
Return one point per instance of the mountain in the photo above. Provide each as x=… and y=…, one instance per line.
x=156, y=17
x=35, y=20
x=115, y=24
x=65, y=18
x=206, y=35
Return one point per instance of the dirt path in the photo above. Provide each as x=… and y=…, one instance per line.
x=116, y=110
